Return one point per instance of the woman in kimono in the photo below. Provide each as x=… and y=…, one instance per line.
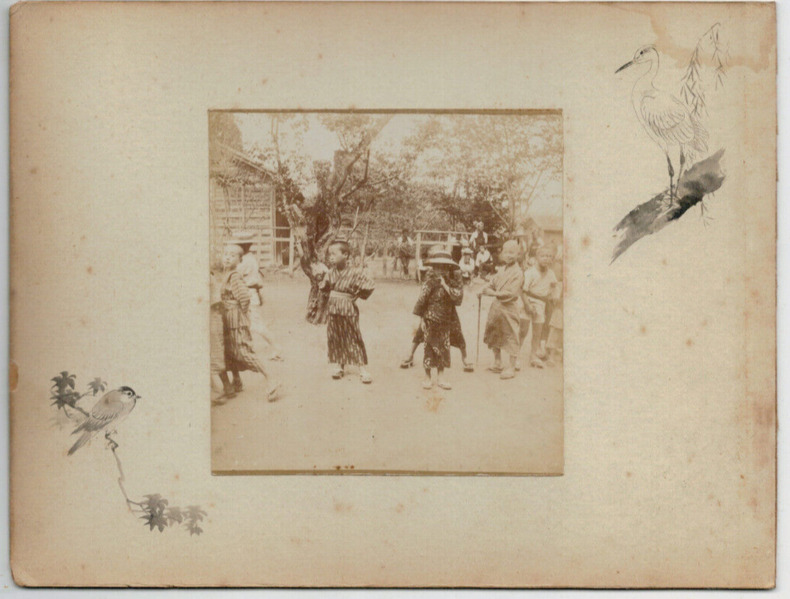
x=235, y=296
x=345, y=284
x=436, y=308
x=506, y=316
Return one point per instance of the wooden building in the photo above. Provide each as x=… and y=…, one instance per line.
x=242, y=197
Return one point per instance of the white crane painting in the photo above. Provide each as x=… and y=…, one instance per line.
x=668, y=121
x=675, y=125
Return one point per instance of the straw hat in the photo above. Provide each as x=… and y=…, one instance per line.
x=241, y=238
x=466, y=251
x=438, y=255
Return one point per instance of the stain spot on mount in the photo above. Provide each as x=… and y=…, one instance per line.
x=13, y=376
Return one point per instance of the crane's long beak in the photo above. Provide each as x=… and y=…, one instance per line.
x=625, y=66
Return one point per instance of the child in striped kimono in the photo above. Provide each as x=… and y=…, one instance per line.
x=506, y=316
x=235, y=296
x=344, y=340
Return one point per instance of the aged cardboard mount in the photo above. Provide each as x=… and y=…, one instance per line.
x=663, y=446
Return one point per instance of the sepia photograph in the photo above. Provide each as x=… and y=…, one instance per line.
x=386, y=292
x=289, y=284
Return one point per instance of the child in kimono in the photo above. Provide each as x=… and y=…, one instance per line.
x=467, y=265
x=239, y=354
x=484, y=263
x=345, y=284
x=539, y=285
x=456, y=333
x=504, y=327
x=250, y=273
x=436, y=309
x=217, y=339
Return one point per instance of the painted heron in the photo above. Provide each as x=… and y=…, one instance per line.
x=667, y=120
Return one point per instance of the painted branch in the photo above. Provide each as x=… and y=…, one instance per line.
x=703, y=178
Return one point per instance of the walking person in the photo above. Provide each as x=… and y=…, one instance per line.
x=239, y=354
x=435, y=307
x=249, y=269
x=457, y=338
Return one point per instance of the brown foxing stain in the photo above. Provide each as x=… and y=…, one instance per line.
x=176, y=477
x=643, y=330
x=629, y=474
x=320, y=56
x=90, y=270
x=689, y=342
x=662, y=18
x=264, y=81
x=399, y=508
x=200, y=300
x=13, y=376
x=33, y=170
x=586, y=241
x=341, y=507
x=433, y=403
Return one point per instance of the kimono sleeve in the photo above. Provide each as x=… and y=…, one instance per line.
x=239, y=291
x=456, y=286
x=425, y=294
x=511, y=287
x=364, y=286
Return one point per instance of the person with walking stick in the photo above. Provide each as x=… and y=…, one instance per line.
x=504, y=325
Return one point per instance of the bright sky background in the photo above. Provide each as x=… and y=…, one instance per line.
x=320, y=144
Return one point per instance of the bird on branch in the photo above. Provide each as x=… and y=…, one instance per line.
x=666, y=119
x=111, y=409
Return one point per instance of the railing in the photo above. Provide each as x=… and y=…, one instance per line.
x=452, y=238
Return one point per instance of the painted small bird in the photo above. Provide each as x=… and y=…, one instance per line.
x=666, y=119
x=109, y=410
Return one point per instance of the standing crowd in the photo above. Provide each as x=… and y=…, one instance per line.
x=525, y=290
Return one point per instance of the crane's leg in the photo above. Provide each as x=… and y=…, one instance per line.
x=671, y=180
x=682, y=163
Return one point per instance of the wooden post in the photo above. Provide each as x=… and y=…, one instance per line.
x=243, y=210
x=290, y=249
x=417, y=255
x=260, y=248
x=273, y=221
